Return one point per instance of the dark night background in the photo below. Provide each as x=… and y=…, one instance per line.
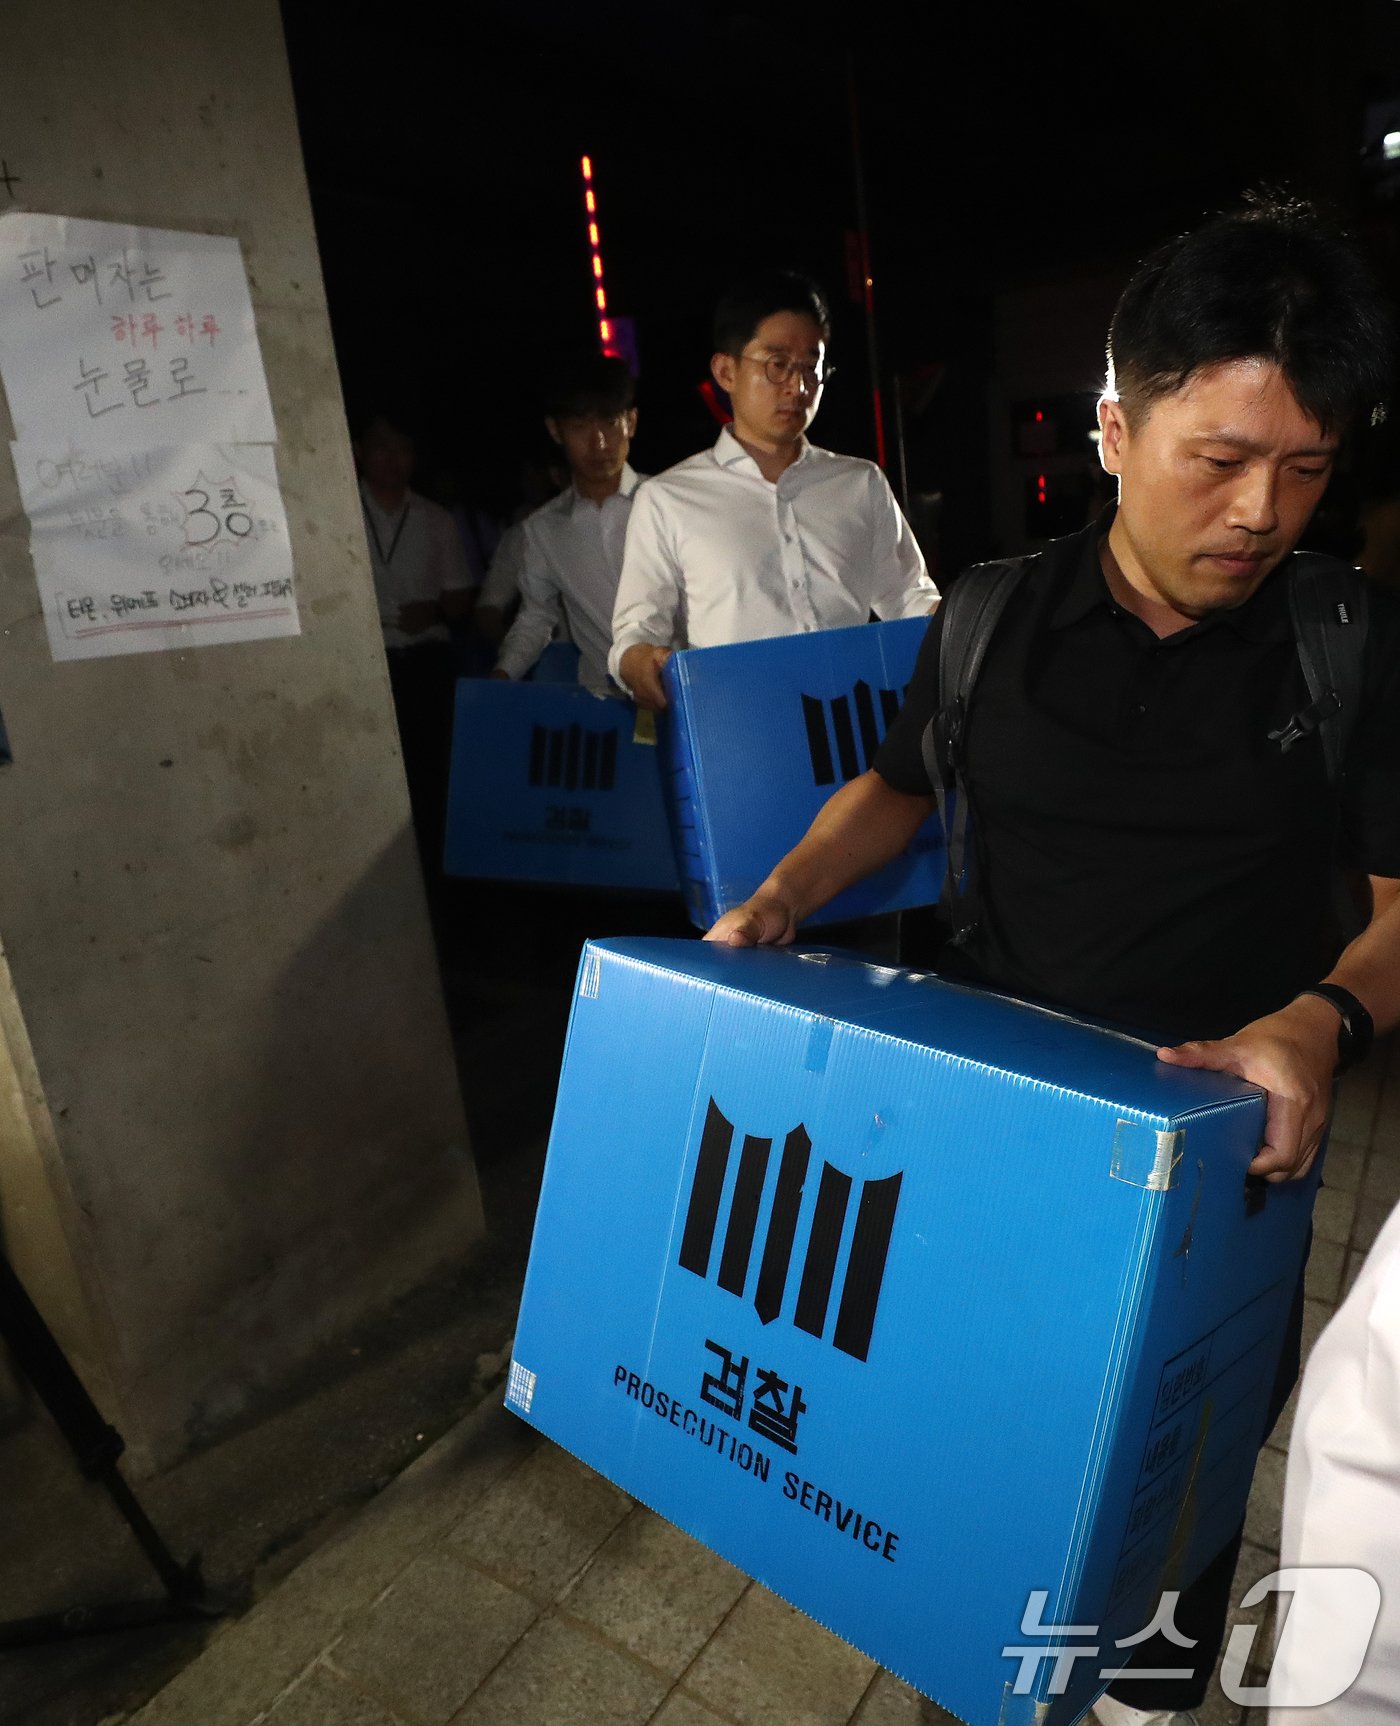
x=1004, y=146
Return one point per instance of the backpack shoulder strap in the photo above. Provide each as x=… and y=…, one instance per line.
x=1328, y=602
x=971, y=612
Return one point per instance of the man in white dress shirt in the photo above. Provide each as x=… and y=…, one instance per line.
x=422, y=580
x=764, y=534
x=423, y=585
x=571, y=549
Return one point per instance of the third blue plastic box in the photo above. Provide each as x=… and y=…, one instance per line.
x=549, y=785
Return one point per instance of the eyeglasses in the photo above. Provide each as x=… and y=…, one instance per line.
x=780, y=369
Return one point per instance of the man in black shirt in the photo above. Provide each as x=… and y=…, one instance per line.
x=1159, y=861
x=1144, y=851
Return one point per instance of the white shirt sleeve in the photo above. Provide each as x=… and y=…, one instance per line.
x=901, y=586
x=450, y=570
x=540, y=611
x=503, y=576
x=649, y=590
x=1342, y=1496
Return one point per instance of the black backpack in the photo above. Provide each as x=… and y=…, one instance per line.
x=1328, y=603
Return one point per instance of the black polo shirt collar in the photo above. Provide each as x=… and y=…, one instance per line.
x=1264, y=617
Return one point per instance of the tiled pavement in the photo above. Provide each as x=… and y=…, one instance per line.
x=498, y=1582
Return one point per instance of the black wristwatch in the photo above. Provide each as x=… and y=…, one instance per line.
x=1357, y=1031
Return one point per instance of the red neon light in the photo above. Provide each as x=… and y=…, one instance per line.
x=711, y=400
x=1038, y=416
x=1040, y=481
x=879, y=425
x=1042, y=497
x=605, y=334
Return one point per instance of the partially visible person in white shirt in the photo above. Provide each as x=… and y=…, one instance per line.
x=1341, y=1505
x=571, y=549
x=764, y=534
x=500, y=591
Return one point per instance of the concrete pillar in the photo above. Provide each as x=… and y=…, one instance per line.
x=229, y=1116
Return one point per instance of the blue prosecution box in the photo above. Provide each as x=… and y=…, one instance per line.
x=910, y=1301
x=757, y=737
x=548, y=785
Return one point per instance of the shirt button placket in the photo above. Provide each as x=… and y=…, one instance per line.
x=793, y=572
x=1144, y=696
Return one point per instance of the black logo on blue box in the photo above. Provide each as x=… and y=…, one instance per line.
x=849, y=723
x=570, y=758
x=865, y=1264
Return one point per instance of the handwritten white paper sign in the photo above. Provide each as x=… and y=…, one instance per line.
x=142, y=550
x=122, y=337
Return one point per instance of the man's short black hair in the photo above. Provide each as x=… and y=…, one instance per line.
x=377, y=422
x=1270, y=281
x=590, y=383
x=744, y=307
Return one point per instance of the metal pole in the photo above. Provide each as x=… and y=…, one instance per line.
x=899, y=448
x=867, y=274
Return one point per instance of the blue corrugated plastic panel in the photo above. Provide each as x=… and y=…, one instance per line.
x=757, y=736
x=557, y=664
x=908, y=1300
x=548, y=785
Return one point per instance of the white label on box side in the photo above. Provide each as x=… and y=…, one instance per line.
x=520, y=1389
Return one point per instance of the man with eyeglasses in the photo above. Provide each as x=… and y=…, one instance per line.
x=571, y=551
x=763, y=534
